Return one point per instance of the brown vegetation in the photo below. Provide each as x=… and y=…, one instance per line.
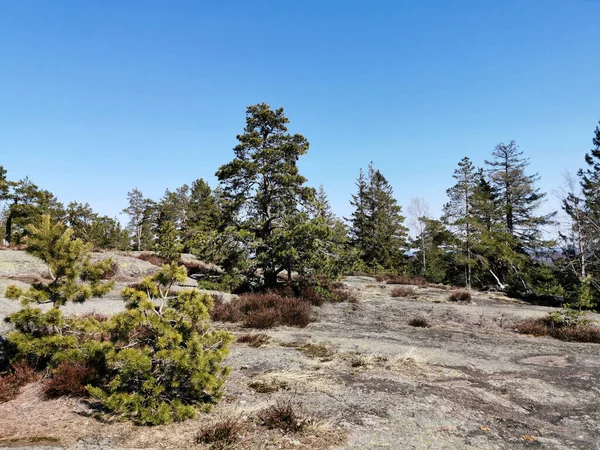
x=19, y=376
x=69, y=378
x=460, y=296
x=545, y=326
x=222, y=433
x=284, y=416
x=419, y=322
x=253, y=339
x=152, y=259
x=404, y=292
x=263, y=311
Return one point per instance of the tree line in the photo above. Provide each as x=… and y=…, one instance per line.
x=263, y=222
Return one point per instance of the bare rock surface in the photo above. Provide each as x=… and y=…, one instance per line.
x=466, y=382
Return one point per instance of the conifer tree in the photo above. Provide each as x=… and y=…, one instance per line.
x=519, y=195
x=168, y=242
x=166, y=359
x=262, y=186
x=136, y=210
x=458, y=212
x=377, y=226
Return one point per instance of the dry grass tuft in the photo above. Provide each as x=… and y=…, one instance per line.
x=253, y=339
x=287, y=417
x=316, y=351
x=419, y=322
x=222, y=433
x=269, y=385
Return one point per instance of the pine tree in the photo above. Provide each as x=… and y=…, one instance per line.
x=377, y=226
x=520, y=197
x=26, y=205
x=135, y=211
x=170, y=361
x=262, y=186
x=74, y=277
x=458, y=211
x=168, y=243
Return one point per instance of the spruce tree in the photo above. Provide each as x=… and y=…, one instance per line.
x=458, y=212
x=590, y=212
x=520, y=197
x=377, y=225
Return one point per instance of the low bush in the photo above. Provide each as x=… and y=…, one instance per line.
x=404, y=292
x=253, y=339
x=563, y=326
x=221, y=434
x=270, y=310
x=19, y=376
x=223, y=311
x=460, y=296
x=70, y=378
x=283, y=416
x=419, y=322
x=152, y=259
x=263, y=311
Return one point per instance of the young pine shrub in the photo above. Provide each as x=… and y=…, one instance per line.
x=167, y=360
x=460, y=296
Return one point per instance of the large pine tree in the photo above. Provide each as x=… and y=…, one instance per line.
x=263, y=189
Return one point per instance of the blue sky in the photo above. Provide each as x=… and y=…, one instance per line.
x=97, y=97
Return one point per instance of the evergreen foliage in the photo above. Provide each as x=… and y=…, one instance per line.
x=166, y=361
x=377, y=226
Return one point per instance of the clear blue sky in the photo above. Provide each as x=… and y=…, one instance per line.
x=97, y=97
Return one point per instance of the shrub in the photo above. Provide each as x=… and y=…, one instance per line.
x=223, y=311
x=152, y=259
x=460, y=296
x=420, y=322
x=263, y=311
x=166, y=361
x=221, y=434
x=11, y=384
x=404, y=292
x=253, y=339
x=283, y=416
x=70, y=378
x=566, y=326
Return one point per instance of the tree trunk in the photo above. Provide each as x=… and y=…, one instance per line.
x=8, y=231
